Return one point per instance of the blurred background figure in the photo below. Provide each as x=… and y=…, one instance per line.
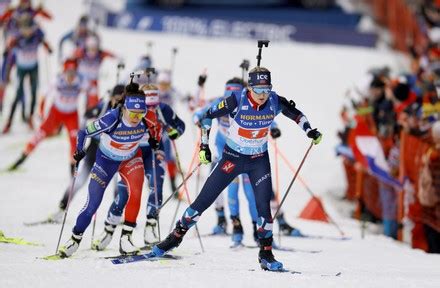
x=76, y=38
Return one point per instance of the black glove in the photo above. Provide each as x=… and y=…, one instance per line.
x=154, y=144
x=202, y=80
x=315, y=135
x=79, y=155
x=205, y=154
x=275, y=132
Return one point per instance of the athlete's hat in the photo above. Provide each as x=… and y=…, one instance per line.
x=135, y=102
x=232, y=88
x=152, y=97
x=259, y=78
x=70, y=64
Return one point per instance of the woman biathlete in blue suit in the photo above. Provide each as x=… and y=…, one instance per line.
x=252, y=113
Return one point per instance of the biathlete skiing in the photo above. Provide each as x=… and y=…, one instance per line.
x=252, y=112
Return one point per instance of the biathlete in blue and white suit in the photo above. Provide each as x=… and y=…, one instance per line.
x=161, y=119
x=121, y=131
x=253, y=112
x=235, y=86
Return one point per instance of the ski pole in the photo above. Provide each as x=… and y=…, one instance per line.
x=277, y=183
x=293, y=180
x=75, y=173
x=120, y=67
x=330, y=218
x=173, y=59
x=187, y=193
x=93, y=230
x=308, y=189
x=156, y=199
x=173, y=221
x=48, y=72
x=179, y=198
x=189, y=201
x=149, y=48
x=180, y=186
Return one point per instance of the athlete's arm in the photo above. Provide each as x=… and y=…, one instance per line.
x=216, y=110
x=100, y=125
x=171, y=119
x=288, y=108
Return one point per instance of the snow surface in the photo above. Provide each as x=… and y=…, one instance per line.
x=316, y=77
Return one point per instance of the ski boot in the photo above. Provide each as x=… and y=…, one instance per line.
x=286, y=229
x=151, y=234
x=126, y=246
x=265, y=256
x=220, y=228
x=70, y=247
x=172, y=241
x=237, y=231
x=105, y=238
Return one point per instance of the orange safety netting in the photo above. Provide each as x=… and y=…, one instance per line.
x=350, y=174
x=364, y=188
x=401, y=21
x=412, y=151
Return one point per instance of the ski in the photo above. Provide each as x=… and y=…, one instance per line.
x=237, y=246
x=283, y=270
x=293, y=272
x=53, y=257
x=288, y=249
x=8, y=171
x=320, y=274
x=143, y=257
x=241, y=245
x=120, y=256
x=321, y=237
x=42, y=222
x=148, y=246
x=16, y=241
x=215, y=235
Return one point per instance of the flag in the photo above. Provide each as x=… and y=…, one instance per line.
x=372, y=151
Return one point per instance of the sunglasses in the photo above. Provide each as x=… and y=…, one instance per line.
x=136, y=115
x=262, y=90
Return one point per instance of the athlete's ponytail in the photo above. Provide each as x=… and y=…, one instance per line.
x=130, y=89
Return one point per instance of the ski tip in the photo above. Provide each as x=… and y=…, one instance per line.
x=18, y=241
x=332, y=275
x=42, y=222
x=53, y=257
x=33, y=244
